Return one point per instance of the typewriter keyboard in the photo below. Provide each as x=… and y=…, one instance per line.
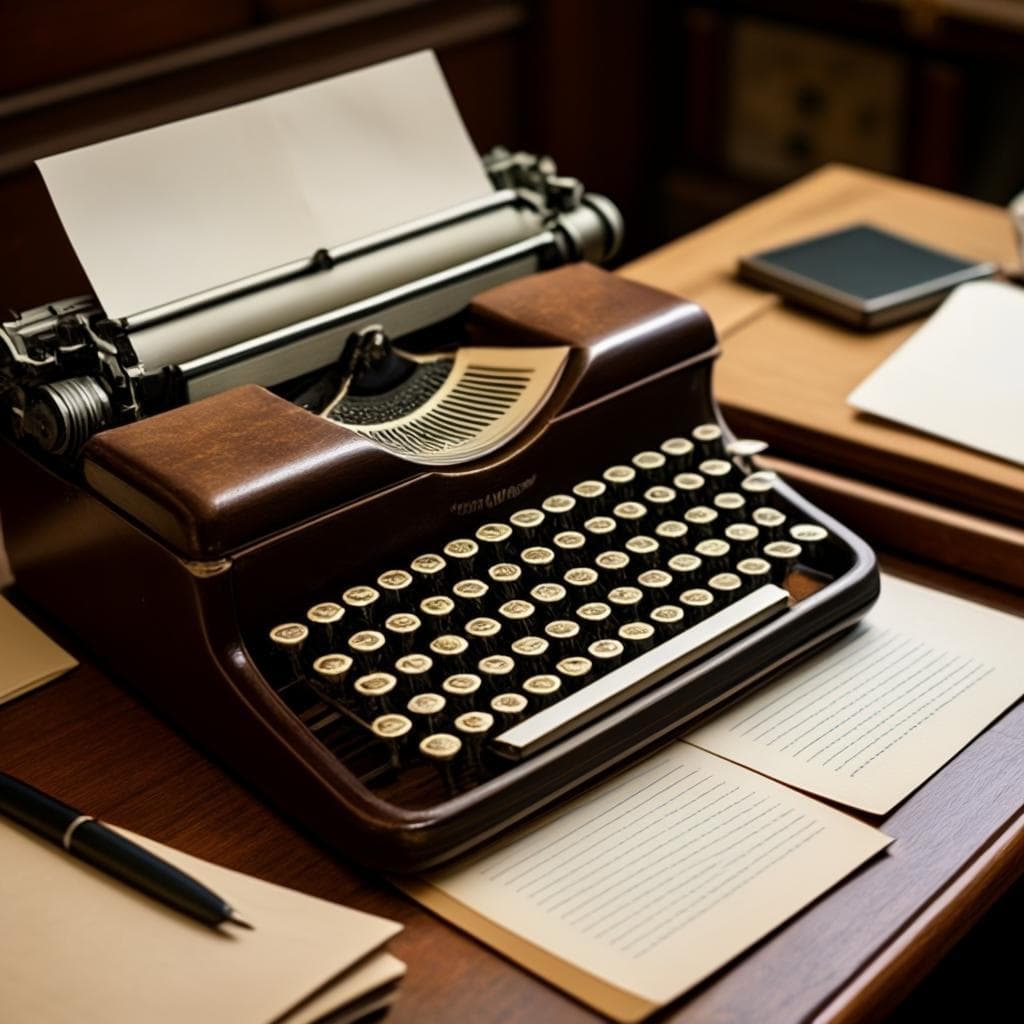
x=488, y=647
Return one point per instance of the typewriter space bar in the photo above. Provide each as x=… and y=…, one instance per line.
x=640, y=674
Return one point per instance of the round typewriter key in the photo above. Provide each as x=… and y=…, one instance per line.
x=707, y=433
x=393, y=729
x=474, y=723
x=755, y=571
x=701, y=520
x=636, y=636
x=530, y=646
x=437, y=610
x=644, y=548
x=360, y=599
x=508, y=708
x=600, y=526
x=769, y=519
x=782, y=554
x=612, y=563
x=506, y=578
x=714, y=552
x=496, y=667
x=414, y=669
x=678, y=449
x=402, y=627
x=746, y=448
x=462, y=686
x=428, y=565
x=484, y=632
x=715, y=469
x=289, y=637
x=808, y=533
x=594, y=611
x=563, y=630
x=688, y=485
x=517, y=614
x=589, y=495
x=685, y=566
x=448, y=647
x=726, y=585
x=575, y=670
x=461, y=555
x=731, y=504
x=326, y=615
x=374, y=690
x=759, y=485
x=394, y=585
x=494, y=533
x=570, y=544
x=659, y=496
x=542, y=689
x=668, y=617
x=631, y=514
x=441, y=749
x=672, y=531
x=368, y=644
x=649, y=464
x=548, y=594
x=527, y=521
x=471, y=593
x=605, y=652
x=424, y=708
x=581, y=580
x=655, y=580
x=332, y=670
x=743, y=535
x=559, y=506
x=697, y=601
x=625, y=599
x=537, y=557
x=619, y=479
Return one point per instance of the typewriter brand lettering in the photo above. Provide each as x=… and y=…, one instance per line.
x=494, y=499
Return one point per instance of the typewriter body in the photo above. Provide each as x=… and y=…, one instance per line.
x=424, y=563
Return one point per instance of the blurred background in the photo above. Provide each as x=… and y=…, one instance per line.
x=679, y=111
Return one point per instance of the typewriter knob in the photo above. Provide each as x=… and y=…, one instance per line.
x=62, y=416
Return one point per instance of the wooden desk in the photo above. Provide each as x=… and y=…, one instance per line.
x=858, y=950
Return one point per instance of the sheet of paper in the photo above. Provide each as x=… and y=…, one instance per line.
x=172, y=211
x=871, y=718
x=77, y=946
x=633, y=893
x=366, y=988
x=959, y=376
x=29, y=657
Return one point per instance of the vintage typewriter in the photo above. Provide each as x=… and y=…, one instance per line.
x=423, y=564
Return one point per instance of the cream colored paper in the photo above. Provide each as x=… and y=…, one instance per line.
x=870, y=719
x=635, y=892
x=79, y=947
x=175, y=210
x=959, y=376
x=367, y=987
x=28, y=657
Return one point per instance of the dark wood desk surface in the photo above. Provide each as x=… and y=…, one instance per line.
x=857, y=951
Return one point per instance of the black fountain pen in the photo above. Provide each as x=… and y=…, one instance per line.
x=105, y=849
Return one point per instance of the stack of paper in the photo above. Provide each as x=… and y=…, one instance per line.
x=78, y=947
x=30, y=658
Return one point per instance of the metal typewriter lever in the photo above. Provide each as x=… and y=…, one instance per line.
x=365, y=349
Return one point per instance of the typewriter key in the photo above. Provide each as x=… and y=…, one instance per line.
x=472, y=727
x=530, y=647
x=759, y=485
x=714, y=552
x=326, y=615
x=697, y=602
x=715, y=470
x=594, y=611
x=559, y=507
x=679, y=451
x=754, y=571
x=471, y=593
x=441, y=749
x=548, y=595
x=649, y=464
x=589, y=495
x=505, y=578
x=361, y=600
x=731, y=504
x=631, y=514
x=542, y=689
x=625, y=600
x=655, y=581
x=668, y=617
x=707, y=435
x=448, y=649
x=428, y=565
x=437, y=611
x=575, y=670
x=424, y=709
x=517, y=614
x=613, y=564
x=496, y=668
x=401, y=628
x=461, y=555
x=509, y=708
x=392, y=729
x=537, y=557
x=745, y=448
x=700, y=520
x=782, y=554
x=725, y=585
x=414, y=670
x=743, y=536
x=581, y=581
x=605, y=652
x=636, y=637
x=367, y=644
x=461, y=687
x=394, y=584
x=687, y=567
x=527, y=522
x=484, y=632
x=810, y=536
x=619, y=478
x=494, y=538
x=599, y=526
x=374, y=691
x=289, y=637
x=671, y=531
x=570, y=545
x=688, y=485
x=771, y=520
x=644, y=548
x=332, y=670
x=660, y=497
x=564, y=631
